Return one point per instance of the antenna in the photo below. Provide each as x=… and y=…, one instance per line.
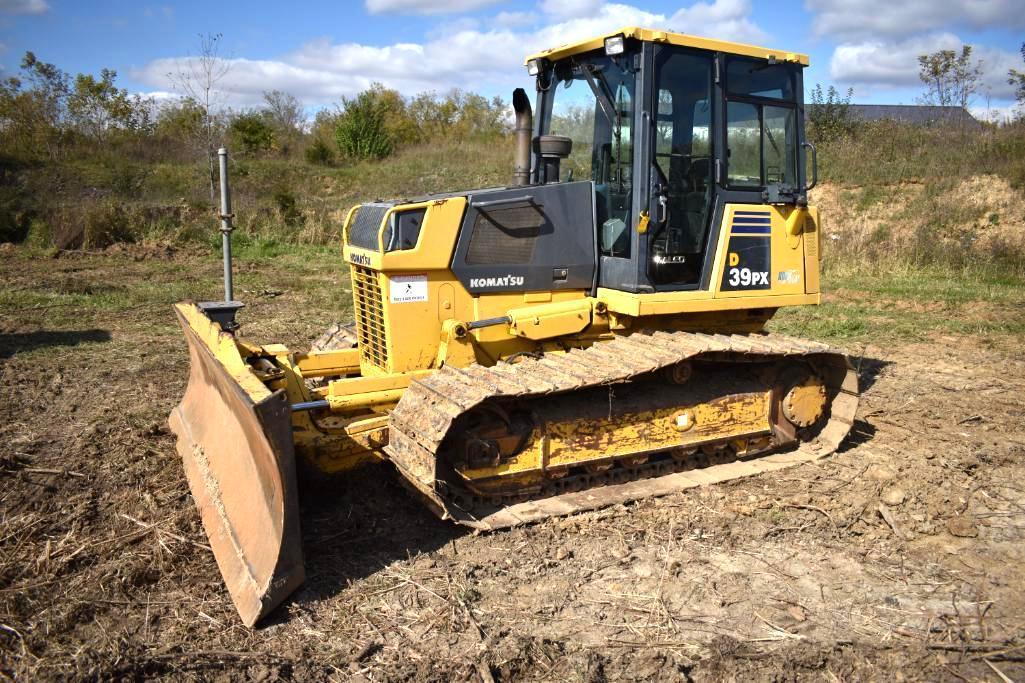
x=223, y=312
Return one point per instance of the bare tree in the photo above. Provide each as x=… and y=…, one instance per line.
x=1017, y=79
x=196, y=78
x=284, y=111
x=950, y=79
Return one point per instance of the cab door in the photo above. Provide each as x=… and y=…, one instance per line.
x=682, y=182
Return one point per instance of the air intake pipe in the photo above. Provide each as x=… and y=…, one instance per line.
x=523, y=131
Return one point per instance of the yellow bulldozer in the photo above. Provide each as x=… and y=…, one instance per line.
x=591, y=334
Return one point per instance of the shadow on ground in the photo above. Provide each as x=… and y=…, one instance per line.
x=354, y=524
x=20, y=342
x=868, y=370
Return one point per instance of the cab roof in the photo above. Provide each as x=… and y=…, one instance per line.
x=682, y=39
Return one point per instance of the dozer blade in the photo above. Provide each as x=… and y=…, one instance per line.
x=235, y=439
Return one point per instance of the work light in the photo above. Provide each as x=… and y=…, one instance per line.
x=614, y=45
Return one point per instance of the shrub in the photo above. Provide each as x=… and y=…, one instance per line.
x=15, y=215
x=106, y=223
x=360, y=131
x=250, y=133
x=288, y=208
x=829, y=114
x=319, y=153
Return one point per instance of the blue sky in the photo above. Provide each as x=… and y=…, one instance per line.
x=322, y=50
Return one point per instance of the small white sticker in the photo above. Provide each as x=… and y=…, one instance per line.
x=408, y=288
x=790, y=277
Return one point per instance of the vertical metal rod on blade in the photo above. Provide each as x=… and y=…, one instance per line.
x=226, y=226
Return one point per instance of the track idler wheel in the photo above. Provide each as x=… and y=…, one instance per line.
x=805, y=403
x=679, y=373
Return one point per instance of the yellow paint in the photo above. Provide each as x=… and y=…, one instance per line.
x=352, y=443
x=726, y=418
x=545, y=321
x=365, y=385
x=372, y=399
x=642, y=222
x=223, y=347
x=680, y=39
x=795, y=221
x=348, y=221
x=812, y=248
x=579, y=442
x=328, y=363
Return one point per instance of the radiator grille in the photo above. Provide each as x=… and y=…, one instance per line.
x=369, y=311
x=811, y=241
x=366, y=225
x=505, y=236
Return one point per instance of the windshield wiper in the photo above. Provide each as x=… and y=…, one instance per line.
x=600, y=87
x=601, y=90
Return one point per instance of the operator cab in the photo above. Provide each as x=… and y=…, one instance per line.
x=670, y=128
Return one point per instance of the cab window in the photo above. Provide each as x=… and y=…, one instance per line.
x=761, y=124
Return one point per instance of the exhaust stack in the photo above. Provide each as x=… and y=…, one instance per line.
x=523, y=131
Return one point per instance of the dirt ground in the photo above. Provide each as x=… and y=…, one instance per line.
x=901, y=557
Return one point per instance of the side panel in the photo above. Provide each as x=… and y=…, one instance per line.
x=752, y=237
x=402, y=298
x=536, y=238
x=756, y=256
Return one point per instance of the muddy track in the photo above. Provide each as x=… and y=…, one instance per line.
x=432, y=405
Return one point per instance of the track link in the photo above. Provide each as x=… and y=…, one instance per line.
x=429, y=408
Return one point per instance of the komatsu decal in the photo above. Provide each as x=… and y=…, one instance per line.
x=506, y=281
x=360, y=259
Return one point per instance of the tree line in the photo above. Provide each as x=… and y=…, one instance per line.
x=48, y=115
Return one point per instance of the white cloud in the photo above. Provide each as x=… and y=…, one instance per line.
x=24, y=7
x=472, y=59
x=995, y=65
x=996, y=114
x=569, y=9
x=851, y=20
x=515, y=19
x=728, y=19
x=894, y=64
x=453, y=26
x=426, y=6
x=880, y=63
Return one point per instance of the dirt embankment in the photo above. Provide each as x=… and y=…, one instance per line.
x=981, y=215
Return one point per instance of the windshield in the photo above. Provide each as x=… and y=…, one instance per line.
x=593, y=105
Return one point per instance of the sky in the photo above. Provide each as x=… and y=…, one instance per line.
x=322, y=50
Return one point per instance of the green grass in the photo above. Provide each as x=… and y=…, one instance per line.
x=293, y=291
x=872, y=305
x=977, y=282
x=68, y=292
